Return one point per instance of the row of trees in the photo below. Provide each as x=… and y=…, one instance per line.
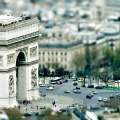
x=89, y=61
x=15, y=114
x=58, y=72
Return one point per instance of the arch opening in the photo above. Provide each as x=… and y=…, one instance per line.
x=20, y=77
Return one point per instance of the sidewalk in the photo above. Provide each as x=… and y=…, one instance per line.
x=36, y=105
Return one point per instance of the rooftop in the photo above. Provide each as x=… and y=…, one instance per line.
x=7, y=19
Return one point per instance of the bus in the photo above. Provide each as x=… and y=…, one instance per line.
x=55, y=80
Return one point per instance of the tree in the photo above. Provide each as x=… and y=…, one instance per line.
x=33, y=1
x=14, y=114
x=116, y=63
x=108, y=54
x=105, y=75
x=48, y=115
x=60, y=71
x=87, y=54
x=78, y=61
x=94, y=53
x=116, y=76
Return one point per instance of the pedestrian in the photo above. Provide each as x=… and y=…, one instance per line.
x=37, y=107
x=55, y=105
x=26, y=109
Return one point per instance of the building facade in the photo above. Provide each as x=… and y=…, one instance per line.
x=18, y=59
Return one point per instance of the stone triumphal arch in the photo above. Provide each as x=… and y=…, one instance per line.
x=18, y=59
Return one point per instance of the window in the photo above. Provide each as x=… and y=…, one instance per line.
x=53, y=34
x=52, y=53
x=52, y=60
x=44, y=35
x=48, y=53
x=43, y=53
x=56, y=53
x=65, y=59
x=65, y=66
x=61, y=53
x=65, y=53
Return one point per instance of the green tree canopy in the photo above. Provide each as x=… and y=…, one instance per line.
x=78, y=61
x=14, y=114
x=116, y=63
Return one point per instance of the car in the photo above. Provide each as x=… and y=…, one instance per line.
x=74, y=78
x=118, y=81
x=65, y=80
x=94, y=92
x=42, y=85
x=42, y=94
x=77, y=88
x=49, y=85
x=88, y=96
x=27, y=114
x=98, y=87
x=66, y=91
x=111, y=96
x=83, y=86
x=76, y=91
x=100, y=99
x=94, y=107
x=63, y=109
x=38, y=113
x=80, y=80
x=118, y=95
x=75, y=83
x=105, y=99
x=59, y=82
x=49, y=88
x=90, y=86
x=91, y=94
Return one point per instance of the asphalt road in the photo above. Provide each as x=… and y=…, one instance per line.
x=59, y=89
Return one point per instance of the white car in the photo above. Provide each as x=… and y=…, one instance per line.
x=105, y=99
x=49, y=88
x=49, y=85
x=42, y=85
x=91, y=94
x=66, y=91
x=100, y=99
x=76, y=91
x=94, y=92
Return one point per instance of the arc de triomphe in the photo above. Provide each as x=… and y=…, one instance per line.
x=18, y=59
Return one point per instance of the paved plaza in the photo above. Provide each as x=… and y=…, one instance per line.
x=35, y=105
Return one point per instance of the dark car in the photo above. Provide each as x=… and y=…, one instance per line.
x=90, y=86
x=88, y=96
x=78, y=88
x=94, y=108
x=38, y=113
x=27, y=114
x=98, y=87
x=75, y=83
x=111, y=96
